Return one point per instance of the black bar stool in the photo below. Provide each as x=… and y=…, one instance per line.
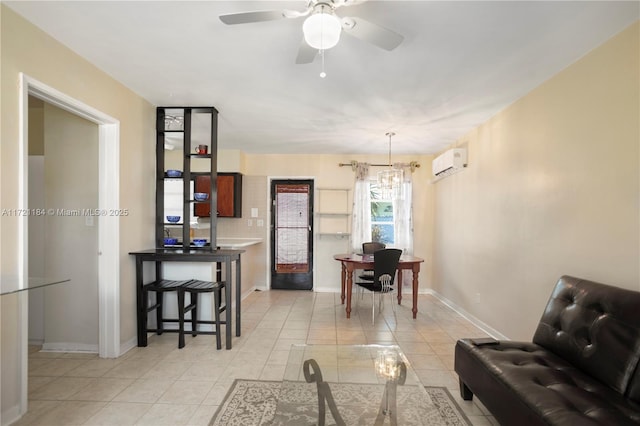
x=194, y=288
x=159, y=288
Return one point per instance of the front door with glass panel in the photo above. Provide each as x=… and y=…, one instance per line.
x=292, y=234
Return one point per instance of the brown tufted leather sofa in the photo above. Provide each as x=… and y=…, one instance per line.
x=582, y=367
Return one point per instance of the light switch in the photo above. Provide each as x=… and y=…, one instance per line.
x=260, y=222
x=88, y=220
x=254, y=212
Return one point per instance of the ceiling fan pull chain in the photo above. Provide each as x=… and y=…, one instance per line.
x=322, y=73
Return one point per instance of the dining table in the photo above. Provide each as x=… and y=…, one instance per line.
x=353, y=261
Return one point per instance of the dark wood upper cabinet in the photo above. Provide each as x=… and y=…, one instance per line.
x=229, y=195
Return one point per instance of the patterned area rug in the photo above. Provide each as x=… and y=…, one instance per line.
x=254, y=403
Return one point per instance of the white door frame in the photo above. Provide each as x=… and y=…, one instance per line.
x=108, y=226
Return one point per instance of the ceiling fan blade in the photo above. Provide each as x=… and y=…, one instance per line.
x=372, y=33
x=249, y=17
x=341, y=3
x=306, y=53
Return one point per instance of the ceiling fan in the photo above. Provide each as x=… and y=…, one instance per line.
x=322, y=27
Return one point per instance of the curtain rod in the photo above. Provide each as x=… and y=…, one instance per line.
x=414, y=165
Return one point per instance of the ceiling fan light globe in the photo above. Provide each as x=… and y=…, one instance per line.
x=322, y=30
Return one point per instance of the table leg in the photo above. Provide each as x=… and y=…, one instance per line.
x=312, y=373
x=349, y=273
x=227, y=301
x=416, y=271
x=388, y=406
x=238, y=297
x=142, y=311
x=399, y=286
x=342, y=282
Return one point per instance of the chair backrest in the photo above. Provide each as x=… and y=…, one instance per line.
x=372, y=247
x=385, y=264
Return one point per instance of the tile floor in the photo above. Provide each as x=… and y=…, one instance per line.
x=164, y=385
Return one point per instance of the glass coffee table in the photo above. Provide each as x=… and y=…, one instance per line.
x=350, y=385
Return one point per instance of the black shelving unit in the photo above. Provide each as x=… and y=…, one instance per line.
x=181, y=121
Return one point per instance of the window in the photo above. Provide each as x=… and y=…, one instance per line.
x=382, y=223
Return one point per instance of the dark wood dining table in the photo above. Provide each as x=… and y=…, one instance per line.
x=351, y=262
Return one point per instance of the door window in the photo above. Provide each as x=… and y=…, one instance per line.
x=292, y=228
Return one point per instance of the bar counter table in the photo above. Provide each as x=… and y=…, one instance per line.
x=158, y=256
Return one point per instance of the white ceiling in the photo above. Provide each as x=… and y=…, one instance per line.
x=460, y=63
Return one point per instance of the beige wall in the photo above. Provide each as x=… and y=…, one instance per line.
x=552, y=188
x=36, y=126
x=326, y=174
x=24, y=48
x=254, y=260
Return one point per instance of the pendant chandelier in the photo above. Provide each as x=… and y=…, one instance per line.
x=390, y=180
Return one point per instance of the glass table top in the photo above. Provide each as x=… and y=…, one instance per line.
x=356, y=385
x=10, y=285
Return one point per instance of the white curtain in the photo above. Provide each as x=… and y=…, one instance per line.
x=402, y=213
x=403, y=216
x=361, y=222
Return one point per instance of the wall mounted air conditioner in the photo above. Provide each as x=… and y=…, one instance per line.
x=450, y=162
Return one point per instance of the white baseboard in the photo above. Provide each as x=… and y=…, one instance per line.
x=251, y=290
x=128, y=345
x=10, y=415
x=69, y=347
x=320, y=289
x=469, y=317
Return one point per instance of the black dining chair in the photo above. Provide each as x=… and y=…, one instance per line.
x=372, y=247
x=368, y=249
x=385, y=265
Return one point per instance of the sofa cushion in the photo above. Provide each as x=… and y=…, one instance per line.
x=596, y=328
x=523, y=383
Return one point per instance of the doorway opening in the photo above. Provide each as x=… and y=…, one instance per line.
x=292, y=234
x=63, y=181
x=108, y=226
